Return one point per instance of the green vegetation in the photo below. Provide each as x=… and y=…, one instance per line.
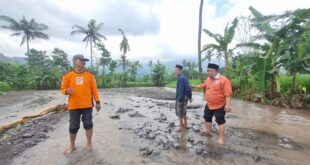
x=173, y=84
x=269, y=64
x=4, y=87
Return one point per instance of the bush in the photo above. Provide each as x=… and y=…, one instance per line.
x=159, y=74
x=4, y=87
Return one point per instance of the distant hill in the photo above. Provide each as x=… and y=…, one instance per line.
x=14, y=60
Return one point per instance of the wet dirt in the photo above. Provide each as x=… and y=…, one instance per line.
x=14, y=105
x=144, y=132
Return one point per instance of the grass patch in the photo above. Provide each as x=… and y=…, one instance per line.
x=173, y=84
x=302, y=81
x=115, y=84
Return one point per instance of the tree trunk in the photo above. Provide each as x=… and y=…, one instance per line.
x=103, y=70
x=227, y=61
x=91, y=55
x=273, y=86
x=28, y=51
x=124, y=63
x=27, y=45
x=199, y=41
x=292, y=90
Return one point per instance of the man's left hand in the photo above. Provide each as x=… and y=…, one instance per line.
x=227, y=108
x=98, y=107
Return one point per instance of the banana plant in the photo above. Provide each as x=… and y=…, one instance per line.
x=222, y=42
x=277, y=40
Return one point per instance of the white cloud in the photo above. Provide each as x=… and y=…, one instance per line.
x=241, y=8
x=158, y=30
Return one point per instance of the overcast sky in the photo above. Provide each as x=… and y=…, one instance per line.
x=156, y=29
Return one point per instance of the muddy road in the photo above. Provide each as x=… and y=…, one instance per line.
x=138, y=126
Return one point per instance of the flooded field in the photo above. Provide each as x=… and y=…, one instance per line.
x=139, y=126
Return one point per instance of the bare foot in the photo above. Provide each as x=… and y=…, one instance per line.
x=220, y=141
x=69, y=150
x=181, y=129
x=89, y=147
x=186, y=127
x=207, y=133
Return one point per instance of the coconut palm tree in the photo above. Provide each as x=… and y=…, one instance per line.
x=124, y=48
x=92, y=35
x=29, y=30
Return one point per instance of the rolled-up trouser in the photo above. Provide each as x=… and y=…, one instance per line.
x=180, y=110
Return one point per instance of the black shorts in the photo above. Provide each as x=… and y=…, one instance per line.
x=75, y=119
x=218, y=113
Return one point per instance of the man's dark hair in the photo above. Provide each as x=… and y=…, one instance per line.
x=179, y=67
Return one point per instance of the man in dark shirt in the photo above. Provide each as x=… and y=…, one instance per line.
x=183, y=94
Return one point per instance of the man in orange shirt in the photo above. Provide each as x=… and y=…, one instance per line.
x=217, y=94
x=81, y=87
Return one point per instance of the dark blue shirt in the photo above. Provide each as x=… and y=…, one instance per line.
x=183, y=89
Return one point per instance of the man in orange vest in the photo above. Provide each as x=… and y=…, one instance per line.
x=81, y=87
x=217, y=94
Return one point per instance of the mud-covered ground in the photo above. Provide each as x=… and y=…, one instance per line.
x=16, y=140
x=138, y=126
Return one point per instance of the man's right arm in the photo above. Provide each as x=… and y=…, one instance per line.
x=201, y=86
x=64, y=85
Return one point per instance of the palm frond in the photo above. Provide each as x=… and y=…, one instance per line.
x=230, y=31
x=263, y=26
x=40, y=35
x=217, y=37
x=23, y=40
x=209, y=46
x=16, y=34
x=101, y=36
x=79, y=30
x=13, y=22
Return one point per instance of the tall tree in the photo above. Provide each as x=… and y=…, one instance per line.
x=92, y=35
x=134, y=69
x=29, y=30
x=112, y=67
x=60, y=58
x=36, y=60
x=105, y=58
x=159, y=74
x=124, y=48
x=150, y=64
x=199, y=41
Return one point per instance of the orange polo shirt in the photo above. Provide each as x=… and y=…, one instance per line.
x=84, y=89
x=217, y=89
